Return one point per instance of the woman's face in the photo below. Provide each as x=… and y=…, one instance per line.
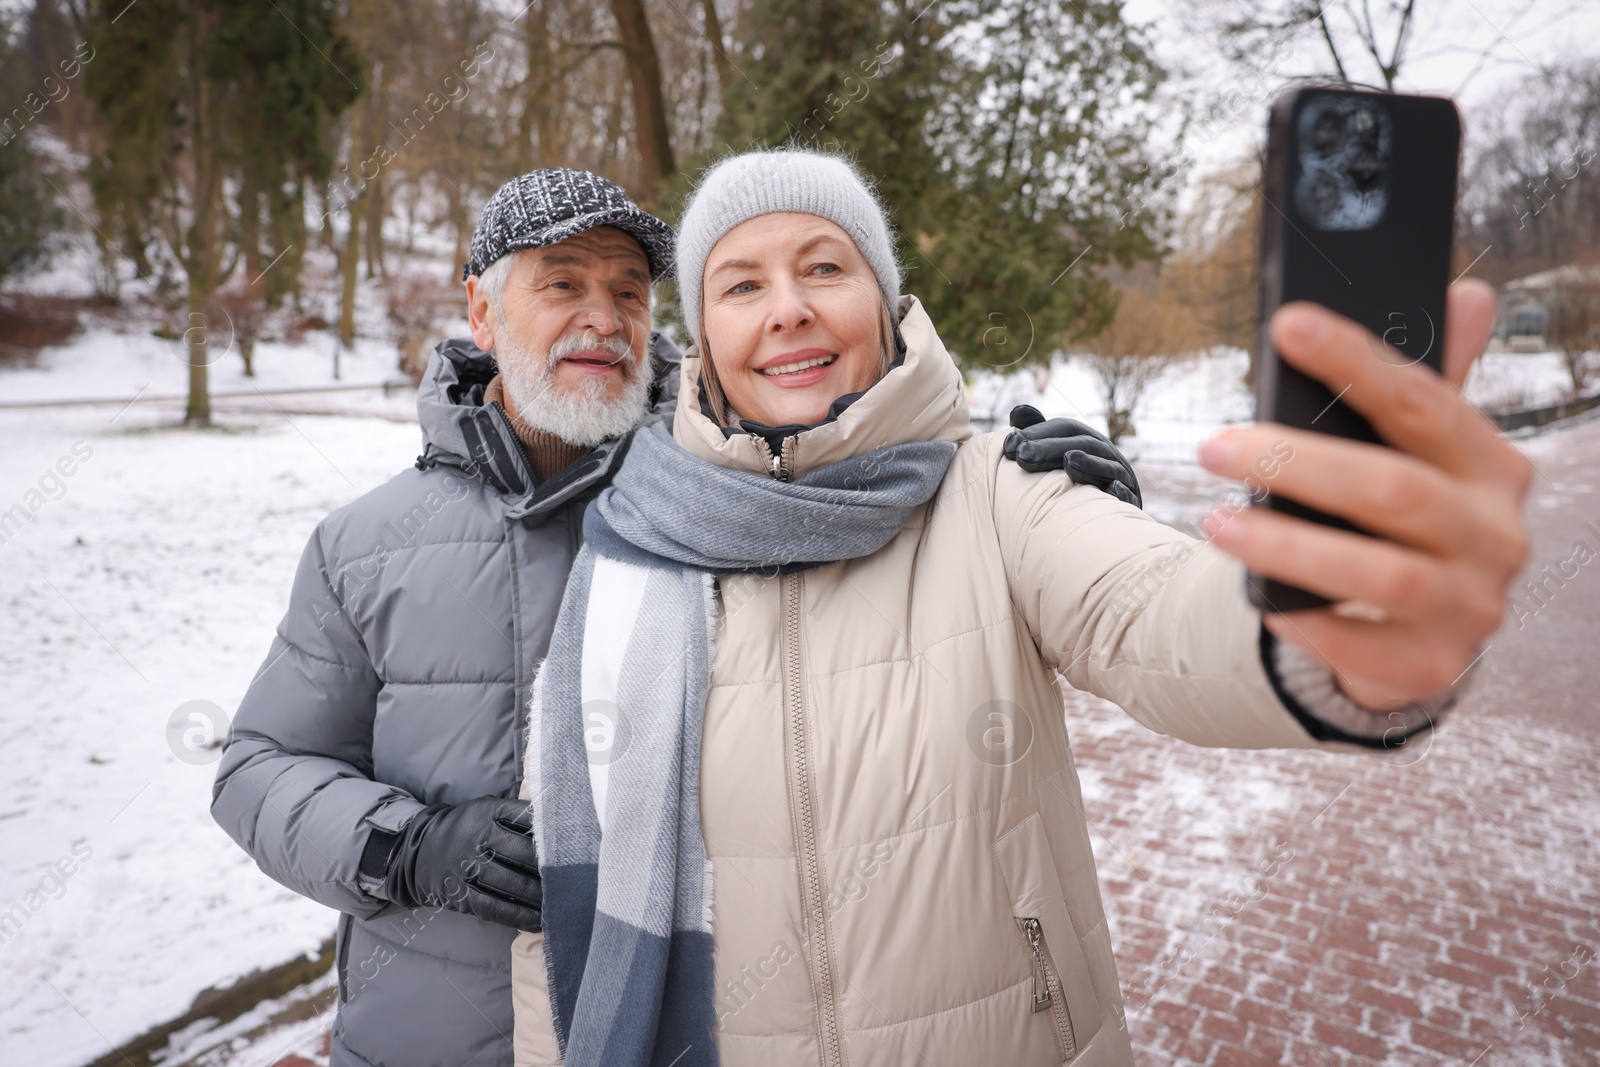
x=791, y=315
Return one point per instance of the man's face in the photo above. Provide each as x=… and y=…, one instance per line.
x=570, y=332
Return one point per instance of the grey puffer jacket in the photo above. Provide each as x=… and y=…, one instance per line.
x=399, y=678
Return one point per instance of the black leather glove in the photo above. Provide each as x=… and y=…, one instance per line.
x=478, y=858
x=1088, y=457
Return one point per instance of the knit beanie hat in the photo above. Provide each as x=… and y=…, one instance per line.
x=761, y=183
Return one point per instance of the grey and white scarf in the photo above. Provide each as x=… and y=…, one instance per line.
x=614, y=746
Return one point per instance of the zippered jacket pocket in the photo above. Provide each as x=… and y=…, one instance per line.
x=1061, y=984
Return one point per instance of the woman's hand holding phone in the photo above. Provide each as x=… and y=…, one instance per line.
x=1412, y=611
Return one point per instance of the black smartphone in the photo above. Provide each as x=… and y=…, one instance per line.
x=1360, y=192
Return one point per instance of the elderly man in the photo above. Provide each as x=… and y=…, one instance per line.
x=374, y=762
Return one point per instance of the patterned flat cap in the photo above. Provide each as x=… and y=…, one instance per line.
x=546, y=206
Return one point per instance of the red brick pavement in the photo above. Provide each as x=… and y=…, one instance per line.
x=1441, y=907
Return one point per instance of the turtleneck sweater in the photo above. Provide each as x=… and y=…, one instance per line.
x=547, y=454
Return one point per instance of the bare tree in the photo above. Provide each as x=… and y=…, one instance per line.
x=1148, y=335
x=1573, y=327
x=1359, y=38
x=417, y=304
x=1531, y=191
x=1213, y=271
x=654, y=146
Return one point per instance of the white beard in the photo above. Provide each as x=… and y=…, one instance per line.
x=580, y=416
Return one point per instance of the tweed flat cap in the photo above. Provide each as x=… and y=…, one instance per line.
x=547, y=206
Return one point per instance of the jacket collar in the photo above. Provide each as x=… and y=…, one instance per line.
x=922, y=399
x=459, y=430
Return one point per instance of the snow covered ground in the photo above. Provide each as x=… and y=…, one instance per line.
x=151, y=576
x=149, y=571
x=1199, y=395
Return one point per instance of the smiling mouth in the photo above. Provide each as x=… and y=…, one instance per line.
x=591, y=360
x=796, y=368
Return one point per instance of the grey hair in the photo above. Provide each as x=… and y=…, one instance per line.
x=493, y=279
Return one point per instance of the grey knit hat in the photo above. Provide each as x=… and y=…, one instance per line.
x=761, y=183
x=544, y=207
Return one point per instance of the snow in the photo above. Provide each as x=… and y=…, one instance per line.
x=102, y=364
x=1201, y=394
x=153, y=575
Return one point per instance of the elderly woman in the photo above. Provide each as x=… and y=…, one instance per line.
x=801, y=779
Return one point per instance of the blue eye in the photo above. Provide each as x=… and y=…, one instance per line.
x=742, y=288
x=826, y=268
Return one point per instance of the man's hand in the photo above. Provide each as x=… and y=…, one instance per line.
x=1412, y=612
x=478, y=858
x=1088, y=456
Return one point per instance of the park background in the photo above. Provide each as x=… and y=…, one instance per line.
x=230, y=234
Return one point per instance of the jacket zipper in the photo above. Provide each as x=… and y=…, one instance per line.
x=1047, y=988
x=778, y=464
x=342, y=957
x=802, y=804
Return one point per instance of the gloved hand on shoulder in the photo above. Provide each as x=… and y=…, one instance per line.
x=1088, y=456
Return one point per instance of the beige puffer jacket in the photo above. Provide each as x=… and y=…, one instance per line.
x=903, y=871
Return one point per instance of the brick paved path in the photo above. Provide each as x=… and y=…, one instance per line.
x=1440, y=907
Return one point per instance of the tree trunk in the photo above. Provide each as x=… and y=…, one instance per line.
x=349, y=260
x=200, y=251
x=719, y=52
x=250, y=227
x=461, y=223
x=649, y=104
x=377, y=206
x=376, y=210
x=534, y=120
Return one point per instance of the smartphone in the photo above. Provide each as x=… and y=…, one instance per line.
x=1360, y=192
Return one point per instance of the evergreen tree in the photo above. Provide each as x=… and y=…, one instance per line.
x=1008, y=137
x=202, y=99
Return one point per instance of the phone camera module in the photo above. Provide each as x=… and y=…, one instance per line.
x=1344, y=162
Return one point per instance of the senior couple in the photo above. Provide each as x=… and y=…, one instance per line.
x=731, y=683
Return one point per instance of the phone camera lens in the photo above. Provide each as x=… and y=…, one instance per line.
x=1325, y=195
x=1327, y=132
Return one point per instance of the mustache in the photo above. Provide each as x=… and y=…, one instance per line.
x=571, y=346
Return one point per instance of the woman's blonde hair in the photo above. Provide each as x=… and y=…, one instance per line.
x=711, y=386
